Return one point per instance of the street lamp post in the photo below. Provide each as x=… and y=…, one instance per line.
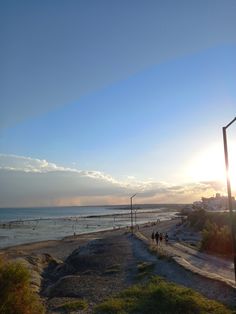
x=131, y=212
x=230, y=205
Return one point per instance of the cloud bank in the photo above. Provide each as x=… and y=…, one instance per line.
x=26, y=181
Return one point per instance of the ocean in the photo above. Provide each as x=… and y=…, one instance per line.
x=27, y=225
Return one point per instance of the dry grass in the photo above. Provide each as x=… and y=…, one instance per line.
x=16, y=296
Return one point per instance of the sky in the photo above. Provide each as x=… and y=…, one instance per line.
x=102, y=99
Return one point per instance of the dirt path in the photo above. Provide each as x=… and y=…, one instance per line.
x=174, y=272
x=190, y=258
x=185, y=266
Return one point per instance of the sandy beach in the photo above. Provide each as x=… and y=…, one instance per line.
x=97, y=265
x=29, y=227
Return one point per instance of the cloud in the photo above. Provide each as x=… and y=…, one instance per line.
x=26, y=181
x=185, y=193
x=28, y=164
x=34, y=165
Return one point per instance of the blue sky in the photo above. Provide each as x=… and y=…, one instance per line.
x=128, y=94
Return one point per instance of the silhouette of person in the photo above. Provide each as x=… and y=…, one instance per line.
x=161, y=237
x=153, y=236
x=157, y=237
x=166, y=238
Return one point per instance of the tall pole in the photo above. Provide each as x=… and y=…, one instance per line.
x=131, y=212
x=230, y=205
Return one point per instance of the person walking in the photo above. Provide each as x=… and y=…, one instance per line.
x=161, y=237
x=166, y=238
x=157, y=237
x=153, y=236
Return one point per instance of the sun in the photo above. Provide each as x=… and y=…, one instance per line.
x=209, y=165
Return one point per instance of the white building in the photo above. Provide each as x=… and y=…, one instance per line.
x=214, y=203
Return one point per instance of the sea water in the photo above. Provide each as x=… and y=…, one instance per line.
x=26, y=225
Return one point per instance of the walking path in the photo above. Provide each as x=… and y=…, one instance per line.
x=200, y=263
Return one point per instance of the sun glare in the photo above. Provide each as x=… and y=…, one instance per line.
x=209, y=165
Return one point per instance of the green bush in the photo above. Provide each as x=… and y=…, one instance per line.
x=215, y=227
x=16, y=296
x=197, y=219
x=74, y=305
x=112, y=306
x=216, y=239
x=159, y=296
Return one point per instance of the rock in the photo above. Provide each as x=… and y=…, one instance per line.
x=61, y=270
x=68, y=286
x=88, y=256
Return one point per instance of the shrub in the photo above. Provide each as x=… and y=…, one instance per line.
x=216, y=239
x=16, y=296
x=112, y=306
x=197, y=219
x=159, y=296
x=215, y=227
x=74, y=305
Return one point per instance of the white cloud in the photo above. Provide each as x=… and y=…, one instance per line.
x=26, y=181
x=35, y=165
x=28, y=164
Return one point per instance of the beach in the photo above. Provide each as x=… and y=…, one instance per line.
x=20, y=226
x=97, y=265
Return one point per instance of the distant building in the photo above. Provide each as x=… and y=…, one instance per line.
x=214, y=203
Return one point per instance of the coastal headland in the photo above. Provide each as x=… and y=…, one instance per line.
x=98, y=265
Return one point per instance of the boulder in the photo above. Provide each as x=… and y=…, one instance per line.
x=68, y=286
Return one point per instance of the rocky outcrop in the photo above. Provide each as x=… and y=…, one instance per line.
x=88, y=257
x=36, y=265
x=92, y=262
x=68, y=286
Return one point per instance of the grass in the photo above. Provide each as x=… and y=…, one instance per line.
x=145, y=270
x=16, y=295
x=74, y=305
x=112, y=306
x=145, y=267
x=113, y=269
x=159, y=252
x=159, y=296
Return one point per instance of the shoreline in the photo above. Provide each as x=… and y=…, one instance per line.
x=70, y=238
x=63, y=239
x=81, y=217
x=20, y=232
x=56, y=245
